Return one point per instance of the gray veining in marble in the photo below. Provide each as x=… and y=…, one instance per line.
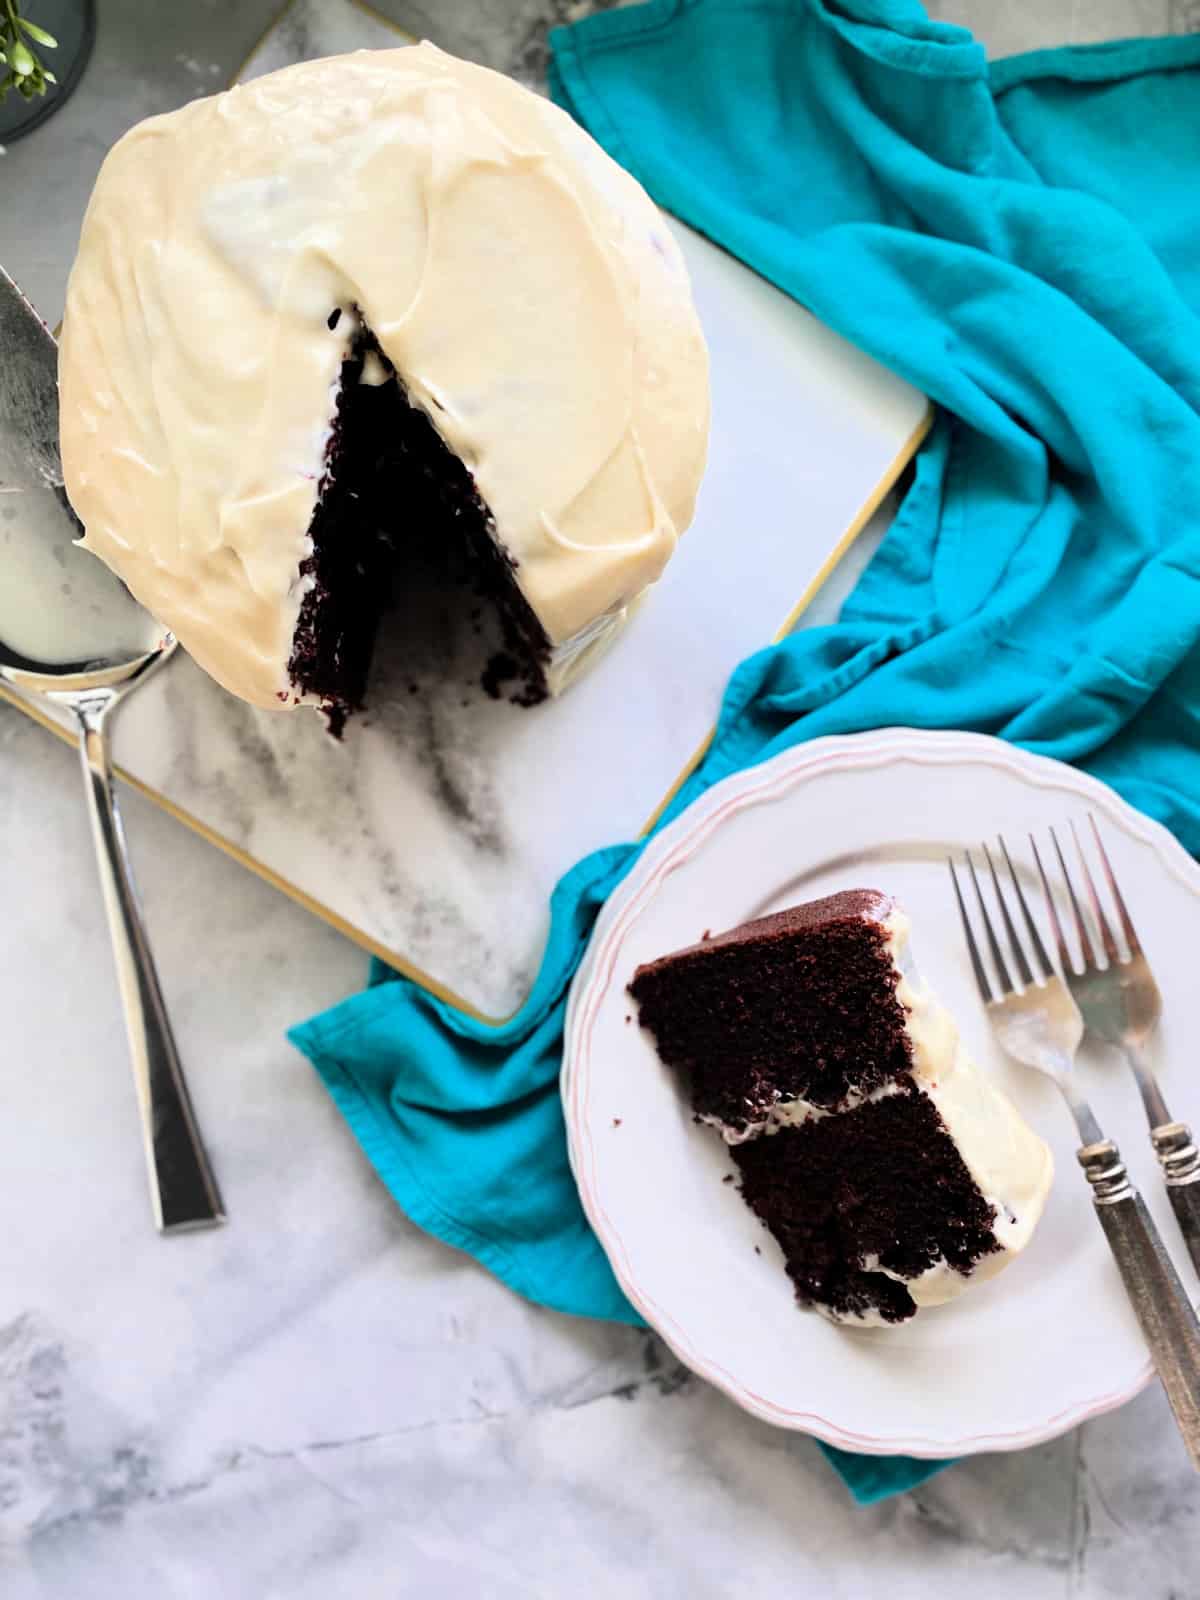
x=441, y=824
x=438, y=830
x=320, y=1402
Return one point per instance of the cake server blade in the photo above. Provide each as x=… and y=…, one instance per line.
x=29, y=455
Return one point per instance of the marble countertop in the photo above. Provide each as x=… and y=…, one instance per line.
x=318, y=1400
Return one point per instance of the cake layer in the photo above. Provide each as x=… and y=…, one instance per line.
x=794, y=1009
x=867, y=1204
x=525, y=289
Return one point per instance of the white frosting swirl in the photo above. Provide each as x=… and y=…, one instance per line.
x=523, y=285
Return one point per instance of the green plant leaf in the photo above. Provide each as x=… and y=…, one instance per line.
x=23, y=62
x=40, y=34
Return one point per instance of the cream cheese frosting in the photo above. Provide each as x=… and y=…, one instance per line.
x=525, y=288
x=1012, y=1167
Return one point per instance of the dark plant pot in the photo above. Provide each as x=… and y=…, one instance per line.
x=73, y=24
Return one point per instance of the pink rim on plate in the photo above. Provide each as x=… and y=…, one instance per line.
x=679, y=843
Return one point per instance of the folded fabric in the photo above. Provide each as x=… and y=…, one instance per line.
x=1019, y=244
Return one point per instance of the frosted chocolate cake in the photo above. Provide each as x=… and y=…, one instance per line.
x=355, y=306
x=891, y=1172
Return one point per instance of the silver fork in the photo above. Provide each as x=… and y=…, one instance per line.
x=1039, y=1025
x=1121, y=1004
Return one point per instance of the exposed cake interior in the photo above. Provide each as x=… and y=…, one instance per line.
x=798, y=1007
x=393, y=490
x=866, y=1202
x=890, y=1171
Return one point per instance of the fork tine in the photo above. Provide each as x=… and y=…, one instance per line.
x=1065, y=959
x=1106, y=937
x=1039, y=949
x=1006, y=983
x=1014, y=944
x=1127, y=927
x=1085, y=938
x=981, y=977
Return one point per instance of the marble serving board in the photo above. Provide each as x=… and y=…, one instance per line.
x=435, y=832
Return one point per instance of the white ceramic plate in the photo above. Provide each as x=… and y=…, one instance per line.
x=1012, y=1362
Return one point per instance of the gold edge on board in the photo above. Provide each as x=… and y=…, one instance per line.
x=815, y=584
x=325, y=913
x=289, y=5
x=378, y=16
x=869, y=507
x=364, y=940
x=356, y=935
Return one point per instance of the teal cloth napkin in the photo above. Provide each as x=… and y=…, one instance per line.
x=1019, y=242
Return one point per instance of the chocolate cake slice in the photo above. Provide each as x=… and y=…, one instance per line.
x=891, y=1172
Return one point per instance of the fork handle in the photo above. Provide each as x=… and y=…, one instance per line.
x=1167, y=1319
x=1179, y=1159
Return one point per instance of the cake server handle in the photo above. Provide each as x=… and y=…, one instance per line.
x=1164, y=1311
x=183, y=1189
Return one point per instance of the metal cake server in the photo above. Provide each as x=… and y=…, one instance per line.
x=72, y=633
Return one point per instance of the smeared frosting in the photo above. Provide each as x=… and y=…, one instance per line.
x=1012, y=1167
x=524, y=287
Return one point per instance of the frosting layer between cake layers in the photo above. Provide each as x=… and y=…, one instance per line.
x=525, y=288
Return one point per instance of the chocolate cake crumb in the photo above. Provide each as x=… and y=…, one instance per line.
x=806, y=1008
x=881, y=1181
x=392, y=489
x=499, y=670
